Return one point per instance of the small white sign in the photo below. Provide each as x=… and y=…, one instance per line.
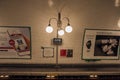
x=48, y=52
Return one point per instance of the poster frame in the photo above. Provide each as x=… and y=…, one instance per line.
x=99, y=57
x=20, y=54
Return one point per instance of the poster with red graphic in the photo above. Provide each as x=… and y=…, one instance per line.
x=68, y=53
x=15, y=42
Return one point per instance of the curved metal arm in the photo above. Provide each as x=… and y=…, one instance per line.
x=67, y=20
x=52, y=19
x=59, y=22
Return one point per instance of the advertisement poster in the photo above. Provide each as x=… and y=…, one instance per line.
x=101, y=44
x=15, y=42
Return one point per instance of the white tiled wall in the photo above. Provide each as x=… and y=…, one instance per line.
x=96, y=14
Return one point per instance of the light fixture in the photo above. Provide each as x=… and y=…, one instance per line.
x=68, y=29
x=60, y=30
x=49, y=29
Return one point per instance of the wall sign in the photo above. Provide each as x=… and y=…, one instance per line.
x=48, y=52
x=57, y=41
x=66, y=52
x=101, y=44
x=63, y=52
x=15, y=42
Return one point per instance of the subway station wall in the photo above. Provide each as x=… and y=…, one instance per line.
x=93, y=14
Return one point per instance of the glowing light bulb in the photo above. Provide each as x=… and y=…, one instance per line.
x=68, y=29
x=49, y=29
x=61, y=32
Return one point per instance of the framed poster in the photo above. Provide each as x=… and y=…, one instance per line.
x=101, y=44
x=48, y=52
x=15, y=42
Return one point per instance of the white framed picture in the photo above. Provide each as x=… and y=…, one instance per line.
x=15, y=42
x=101, y=44
x=48, y=52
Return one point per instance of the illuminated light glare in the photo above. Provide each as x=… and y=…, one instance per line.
x=68, y=29
x=52, y=76
x=61, y=32
x=119, y=22
x=48, y=76
x=1, y=76
x=117, y=3
x=6, y=75
x=49, y=29
x=91, y=76
x=50, y=3
x=96, y=76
